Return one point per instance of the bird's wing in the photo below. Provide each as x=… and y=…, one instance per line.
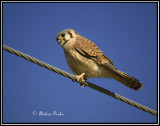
x=88, y=49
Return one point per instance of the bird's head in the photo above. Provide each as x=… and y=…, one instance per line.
x=66, y=35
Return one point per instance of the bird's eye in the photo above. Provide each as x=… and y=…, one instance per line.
x=63, y=35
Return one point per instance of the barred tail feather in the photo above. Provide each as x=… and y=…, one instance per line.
x=129, y=81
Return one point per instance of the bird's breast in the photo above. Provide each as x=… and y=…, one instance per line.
x=79, y=64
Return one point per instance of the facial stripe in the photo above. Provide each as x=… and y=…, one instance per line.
x=70, y=34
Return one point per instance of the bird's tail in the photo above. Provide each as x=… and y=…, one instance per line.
x=129, y=81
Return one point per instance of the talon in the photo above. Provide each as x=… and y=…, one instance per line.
x=83, y=85
x=81, y=78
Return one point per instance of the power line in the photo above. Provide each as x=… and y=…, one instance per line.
x=91, y=85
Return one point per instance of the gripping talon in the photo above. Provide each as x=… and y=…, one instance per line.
x=83, y=85
x=81, y=79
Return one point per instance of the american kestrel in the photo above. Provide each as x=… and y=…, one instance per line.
x=86, y=60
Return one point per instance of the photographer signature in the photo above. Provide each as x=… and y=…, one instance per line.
x=45, y=113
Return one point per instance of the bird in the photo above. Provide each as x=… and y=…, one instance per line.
x=86, y=60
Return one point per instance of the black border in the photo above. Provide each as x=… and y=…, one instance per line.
x=34, y=123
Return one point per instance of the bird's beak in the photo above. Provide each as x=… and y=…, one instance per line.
x=58, y=39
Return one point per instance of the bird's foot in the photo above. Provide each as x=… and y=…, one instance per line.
x=83, y=85
x=81, y=78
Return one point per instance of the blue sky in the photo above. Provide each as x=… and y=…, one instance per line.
x=125, y=32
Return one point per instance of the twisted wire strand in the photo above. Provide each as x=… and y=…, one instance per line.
x=74, y=78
